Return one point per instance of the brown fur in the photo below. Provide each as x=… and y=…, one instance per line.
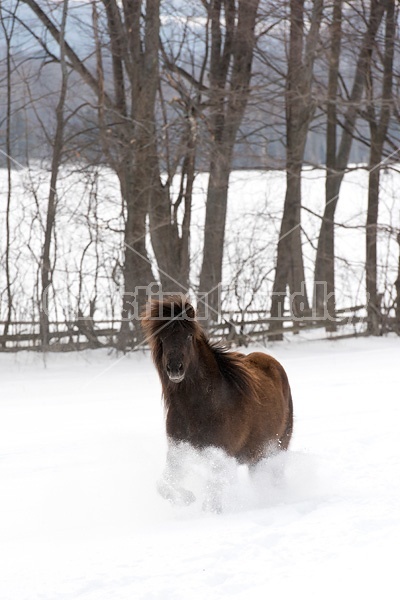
x=239, y=403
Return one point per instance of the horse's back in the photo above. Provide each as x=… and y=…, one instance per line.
x=269, y=366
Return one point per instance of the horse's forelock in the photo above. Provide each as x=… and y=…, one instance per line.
x=159, y=315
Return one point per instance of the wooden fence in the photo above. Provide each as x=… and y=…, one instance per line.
x=234, y=327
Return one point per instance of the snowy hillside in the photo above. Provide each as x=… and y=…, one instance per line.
x=81, y=447
x=89, y=209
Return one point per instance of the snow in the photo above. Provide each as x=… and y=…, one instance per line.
x=82, y=445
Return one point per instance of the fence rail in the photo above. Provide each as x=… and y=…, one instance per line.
x=234, y=328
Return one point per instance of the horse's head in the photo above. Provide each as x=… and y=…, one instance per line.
x=171, y=328
x=177, y=351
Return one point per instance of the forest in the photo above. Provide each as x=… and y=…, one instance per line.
x=220, y=148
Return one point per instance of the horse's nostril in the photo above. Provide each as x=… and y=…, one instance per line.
x=180, y=367
x=168, y=369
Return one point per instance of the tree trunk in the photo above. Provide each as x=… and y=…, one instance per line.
x=289, y=267
x=137, y=268
x=164, y=232
x=397, y=287
x=214, y=231
x=300, y=109
x=170, y=248
x=325, y=302
x=324, y=295
x=324, y=276
x=373, y=304
x=8, y=37
x=47, y=267
x=230, y=74
x=378, y=136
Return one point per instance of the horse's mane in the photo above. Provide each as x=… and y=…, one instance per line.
x=233, y=368
x=160, y=314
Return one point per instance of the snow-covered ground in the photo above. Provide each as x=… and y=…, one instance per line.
x=82, y=444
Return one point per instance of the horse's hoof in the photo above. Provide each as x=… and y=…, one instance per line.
x=177, y=496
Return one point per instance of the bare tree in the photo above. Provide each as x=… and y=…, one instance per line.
x=46, y=269
x=128, y=131
x=7, y=21
x=229, y=77
x=300, y=109
x=378, y=127
x=397, y=286
x=331, y=144
x=337, y=161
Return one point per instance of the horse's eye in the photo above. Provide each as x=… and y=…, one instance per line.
x=190, y=336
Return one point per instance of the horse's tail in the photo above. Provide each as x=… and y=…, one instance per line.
x=286, y=437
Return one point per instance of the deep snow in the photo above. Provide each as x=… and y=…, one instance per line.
x=82, y=445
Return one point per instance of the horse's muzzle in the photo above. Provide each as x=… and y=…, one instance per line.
x=175, y=371
x=176, y=377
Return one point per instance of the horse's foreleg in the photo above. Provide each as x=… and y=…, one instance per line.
x=169, y=485
x=220, y=474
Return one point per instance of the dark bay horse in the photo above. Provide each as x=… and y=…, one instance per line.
x=214, y=398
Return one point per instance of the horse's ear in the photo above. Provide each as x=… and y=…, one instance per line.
x=189, y=310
